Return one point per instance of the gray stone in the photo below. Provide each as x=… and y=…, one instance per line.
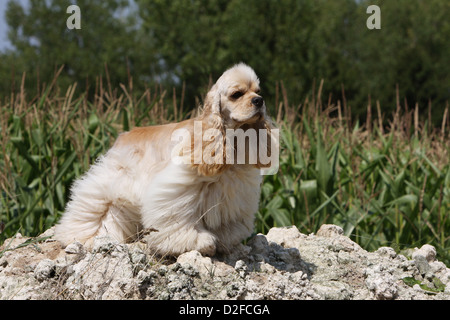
x=74, y=248
x=284, y=264
x=426, y=251
x=44, y=270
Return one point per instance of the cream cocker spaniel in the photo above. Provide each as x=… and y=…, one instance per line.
x=200, y=193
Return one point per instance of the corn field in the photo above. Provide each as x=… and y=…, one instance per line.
x=386, y=183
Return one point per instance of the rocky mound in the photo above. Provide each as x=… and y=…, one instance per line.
x=284, y=264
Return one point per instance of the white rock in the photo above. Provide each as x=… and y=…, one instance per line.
x=286, y=236
x=381, y=282
x=104, y=244
x=330, y=230
x=74, y=248
x=427, y=251
x=44, y=270
x=284, y=264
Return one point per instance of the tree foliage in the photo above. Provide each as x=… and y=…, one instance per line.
x=290, y=43
x=106, y=41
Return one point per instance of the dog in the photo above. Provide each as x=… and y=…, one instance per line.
x=184, y=195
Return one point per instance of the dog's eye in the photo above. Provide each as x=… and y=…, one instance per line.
x=237, y=95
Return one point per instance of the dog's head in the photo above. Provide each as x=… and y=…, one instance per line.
x=235, y=98
x=236, y=112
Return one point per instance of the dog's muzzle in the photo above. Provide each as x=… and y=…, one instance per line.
x=258, y=102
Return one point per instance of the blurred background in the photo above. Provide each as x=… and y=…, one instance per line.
x=293, y=44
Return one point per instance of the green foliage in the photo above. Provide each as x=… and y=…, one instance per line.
x=108, y=44
x=48, y=142
x=291, y=44
x=388, y=189
x=435, y=286
x=411, y=51
x=298, y=42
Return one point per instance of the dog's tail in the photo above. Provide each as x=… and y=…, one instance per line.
x=93, y=210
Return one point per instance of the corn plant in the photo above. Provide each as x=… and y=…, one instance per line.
x=49, y=141
x=386, y=183
x=384, y=189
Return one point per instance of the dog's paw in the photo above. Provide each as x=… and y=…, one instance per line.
x=206, y=244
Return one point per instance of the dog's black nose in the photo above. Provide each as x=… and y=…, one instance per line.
x=258, y=102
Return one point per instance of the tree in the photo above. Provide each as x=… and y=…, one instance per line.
x=411, y=50
x=43, y=42
x=295, y=43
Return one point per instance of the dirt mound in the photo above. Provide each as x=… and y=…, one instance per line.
x=284, y=264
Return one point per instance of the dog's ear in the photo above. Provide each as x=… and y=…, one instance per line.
x=212, y=101
x=213, y=150
x=212, y=113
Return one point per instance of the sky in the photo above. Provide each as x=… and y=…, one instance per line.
x=4, y=43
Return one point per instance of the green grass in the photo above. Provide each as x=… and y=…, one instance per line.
x=387, y=183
